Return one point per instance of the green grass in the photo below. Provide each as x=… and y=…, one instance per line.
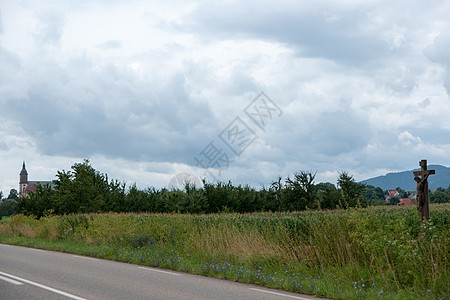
x=361, y=253
x=4, y=219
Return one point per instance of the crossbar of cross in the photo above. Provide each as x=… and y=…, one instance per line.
x=424, y=172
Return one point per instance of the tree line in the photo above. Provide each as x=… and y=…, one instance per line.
x=84, y=189
x=8, y=205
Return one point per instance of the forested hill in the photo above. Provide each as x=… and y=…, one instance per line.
x=405, y=179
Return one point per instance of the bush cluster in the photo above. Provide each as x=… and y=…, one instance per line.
x=85, y=190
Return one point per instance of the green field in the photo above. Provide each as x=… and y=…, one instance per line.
x=380, y=252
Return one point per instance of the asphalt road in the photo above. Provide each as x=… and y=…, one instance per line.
x=27, y=273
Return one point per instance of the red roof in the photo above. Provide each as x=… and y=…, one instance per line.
x=406, y=201
x=393, y=193
x=31, y=187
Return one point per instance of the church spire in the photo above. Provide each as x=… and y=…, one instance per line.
x=24, y=170
x=23, y=182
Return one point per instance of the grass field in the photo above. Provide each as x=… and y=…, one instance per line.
x=380, y=252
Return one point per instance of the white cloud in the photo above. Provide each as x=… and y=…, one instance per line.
x=407, y=139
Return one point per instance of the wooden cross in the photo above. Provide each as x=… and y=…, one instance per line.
x=421, y=177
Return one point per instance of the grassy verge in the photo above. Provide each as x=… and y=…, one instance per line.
x=370, y=253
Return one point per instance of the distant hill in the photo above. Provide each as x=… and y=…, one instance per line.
x=405, y=179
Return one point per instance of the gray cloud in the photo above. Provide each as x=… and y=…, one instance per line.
x=112, y=114
x=111, y=44
x=438, y=52
x=9, y=74
x=50, y=27
x=3, y=146
x=323, y=135
x=352, y=80
x=324, y=31
x=340, y=132
x=431, y=134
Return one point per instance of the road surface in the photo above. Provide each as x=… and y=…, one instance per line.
x=27, y=273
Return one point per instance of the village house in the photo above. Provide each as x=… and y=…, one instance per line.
x=406, y=201
x=392, y=193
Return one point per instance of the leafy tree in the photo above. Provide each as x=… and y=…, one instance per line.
x=39, y=202
x=137, y=200
x=394, y=200
x=374, y=195
x=85, y=190
x=441, y=195
x=352, y=192
x=219, y=196
x=402, y=193
x=329, y=195
x=194, y=200
x=1, y=196
x=274, y=197
x=13, y=194
x=300, y=192
x=81, y=190
x=7, y=208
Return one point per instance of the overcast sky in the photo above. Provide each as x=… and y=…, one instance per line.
x=150, y=89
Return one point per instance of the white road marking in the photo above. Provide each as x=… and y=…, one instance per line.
x=157, y=270
x=37, y=250
x=10, y=280
x=85, y=257
x=279, y=294
x=43, y=286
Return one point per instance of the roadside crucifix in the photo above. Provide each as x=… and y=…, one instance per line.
x=421, y=177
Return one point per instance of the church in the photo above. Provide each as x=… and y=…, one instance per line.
x=26, y=186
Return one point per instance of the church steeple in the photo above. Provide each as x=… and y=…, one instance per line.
x=24, y=171
x=23, y=179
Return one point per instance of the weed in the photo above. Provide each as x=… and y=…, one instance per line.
x=345, y=254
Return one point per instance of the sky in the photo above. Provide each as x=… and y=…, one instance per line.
x=251, y=90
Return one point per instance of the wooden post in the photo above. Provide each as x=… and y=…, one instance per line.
x=421, y=177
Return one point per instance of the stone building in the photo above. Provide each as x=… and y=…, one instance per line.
x=26, y=186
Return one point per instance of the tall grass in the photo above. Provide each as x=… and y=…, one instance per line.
x=374, y=252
